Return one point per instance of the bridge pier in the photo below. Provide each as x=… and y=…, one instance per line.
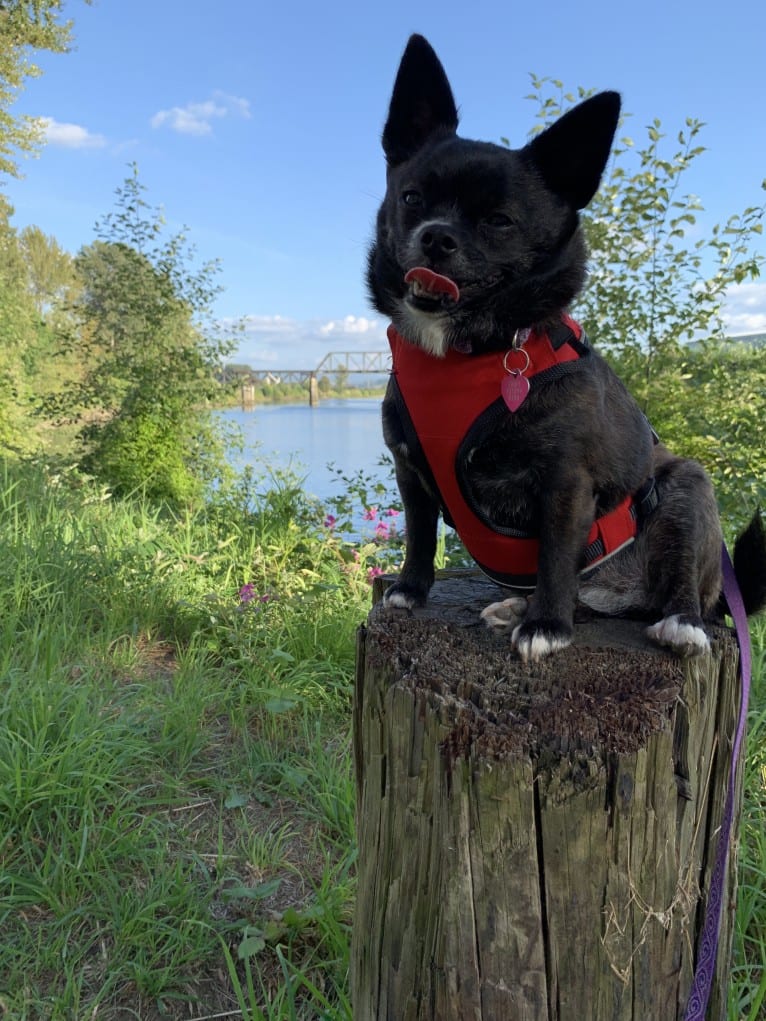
x=313, y=390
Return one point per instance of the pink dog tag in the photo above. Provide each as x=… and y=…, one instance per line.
x=514, y=389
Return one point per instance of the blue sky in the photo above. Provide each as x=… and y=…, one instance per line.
x=256, y=125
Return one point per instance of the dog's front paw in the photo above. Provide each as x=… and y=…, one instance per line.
x=538, y=638
x=683, y=635
x=508, y=613
x=405, y=597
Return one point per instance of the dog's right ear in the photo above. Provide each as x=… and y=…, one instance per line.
x=422, y=104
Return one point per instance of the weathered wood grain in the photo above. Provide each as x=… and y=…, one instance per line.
x=534, y=842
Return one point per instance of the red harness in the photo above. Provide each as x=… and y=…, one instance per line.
x=443, y=398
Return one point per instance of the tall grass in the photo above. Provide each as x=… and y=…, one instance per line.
x=175, y=783
x=176, y=795
x=747, y=1000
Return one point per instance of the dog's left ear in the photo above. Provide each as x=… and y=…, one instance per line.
x=571, y=154
x=422, y=104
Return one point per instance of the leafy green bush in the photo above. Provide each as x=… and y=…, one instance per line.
x=653, y=302
x=151, y=351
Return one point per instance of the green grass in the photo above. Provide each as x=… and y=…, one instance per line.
x=747, y=1000
x=176, y=791
x=175, y=781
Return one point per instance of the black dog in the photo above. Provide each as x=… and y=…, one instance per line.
x=499, y=414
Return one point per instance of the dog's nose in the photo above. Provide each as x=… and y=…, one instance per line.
x=438, y=239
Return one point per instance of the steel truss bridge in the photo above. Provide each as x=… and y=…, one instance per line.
x=359, y=362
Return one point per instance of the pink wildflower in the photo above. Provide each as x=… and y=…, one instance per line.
x=247, y=593
x=370, y=514
x=373, y=572
x=329, y=521
x=381, y=530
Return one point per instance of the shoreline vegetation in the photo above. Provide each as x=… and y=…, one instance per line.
x=176, y=779
x=295, y=393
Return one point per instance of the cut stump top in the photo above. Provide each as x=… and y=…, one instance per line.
x=606, y=693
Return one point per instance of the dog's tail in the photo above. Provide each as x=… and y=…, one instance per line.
x=750, y=564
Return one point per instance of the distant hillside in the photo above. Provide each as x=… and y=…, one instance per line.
x=753, y=339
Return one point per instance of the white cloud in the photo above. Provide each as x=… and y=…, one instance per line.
x=70, y=136
x=744, y=310
x=351, y=324
x=283, y=343
x=197, y=118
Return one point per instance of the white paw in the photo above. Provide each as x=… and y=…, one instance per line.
x=506, y=614
x=536, y=646
x=399, y=599
x=684, y=639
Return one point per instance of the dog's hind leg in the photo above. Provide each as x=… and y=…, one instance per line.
x=683, y=633
x=674, y=585
x=683, y=557
x=508, y=613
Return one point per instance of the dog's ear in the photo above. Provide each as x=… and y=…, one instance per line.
x=422, y=104
x=571, y=154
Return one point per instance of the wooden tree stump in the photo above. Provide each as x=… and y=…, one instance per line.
x=535, y=843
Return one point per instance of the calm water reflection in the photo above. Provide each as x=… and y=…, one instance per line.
x=346, y=433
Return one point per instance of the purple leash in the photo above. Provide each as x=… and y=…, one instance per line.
x=708, y=951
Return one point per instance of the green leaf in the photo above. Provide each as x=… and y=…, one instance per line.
x=235, y=800
x=260, y=892
x=279, y=705
x=250, y=946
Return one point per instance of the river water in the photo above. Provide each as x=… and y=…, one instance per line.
x=344, y=433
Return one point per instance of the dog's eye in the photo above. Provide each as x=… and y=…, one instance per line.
x=498, y=220
x=412, y=198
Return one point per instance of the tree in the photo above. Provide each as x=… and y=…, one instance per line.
x=16, y=334
x=50, y=270
x=25, y=25
x=151, y=351
x=654, y=298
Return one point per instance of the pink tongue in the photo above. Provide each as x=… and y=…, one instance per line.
x=434, y=283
